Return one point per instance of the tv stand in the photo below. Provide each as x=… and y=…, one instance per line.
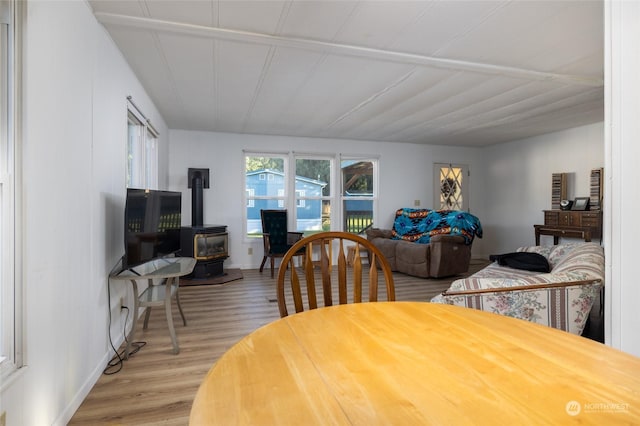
x=168, y=271
x=133, y=271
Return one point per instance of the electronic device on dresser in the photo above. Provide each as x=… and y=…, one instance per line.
x=566, y=204
x=152, y=221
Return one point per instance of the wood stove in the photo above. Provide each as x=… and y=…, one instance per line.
x=208, y=244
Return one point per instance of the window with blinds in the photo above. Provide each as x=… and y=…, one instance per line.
x=142, y=150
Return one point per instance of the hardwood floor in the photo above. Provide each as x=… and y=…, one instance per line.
x=157, y=387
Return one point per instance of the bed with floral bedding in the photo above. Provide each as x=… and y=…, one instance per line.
x=561, y=298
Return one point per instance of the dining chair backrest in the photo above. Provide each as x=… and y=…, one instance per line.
x=275, y=237
x=348, y=281
x=274, y=223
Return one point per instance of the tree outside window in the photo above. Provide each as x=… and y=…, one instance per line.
x=358, y=193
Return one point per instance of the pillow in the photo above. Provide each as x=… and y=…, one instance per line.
x=522, y=260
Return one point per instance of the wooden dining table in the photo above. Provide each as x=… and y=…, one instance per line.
x=413, y=363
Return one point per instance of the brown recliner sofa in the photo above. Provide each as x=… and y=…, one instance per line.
x=444, y=255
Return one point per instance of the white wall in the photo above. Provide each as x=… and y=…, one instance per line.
x=75, y=121
x=406, y=172
x=622, y=174
x=510, y=183
x=518, y=182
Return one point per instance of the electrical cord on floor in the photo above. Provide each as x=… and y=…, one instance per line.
x=116, y=362
x=111, y=364
x=136, y=345
x=118, y=359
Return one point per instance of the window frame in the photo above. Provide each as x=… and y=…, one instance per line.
x=11, y=287
x=291, y=197
x=299, y=200
x=250, y=201
x=463, y=184
x=375, y=162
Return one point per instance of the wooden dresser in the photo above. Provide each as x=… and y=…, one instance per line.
x=585, y=224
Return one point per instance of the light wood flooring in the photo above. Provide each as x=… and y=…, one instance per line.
x=157, y=387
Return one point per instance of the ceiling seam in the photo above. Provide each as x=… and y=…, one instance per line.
x=415, y=21
x=215, y=21
x=145, y=10
x=512, y=105
x=266, y=66
x=373, y=97
x=459, y=122
x=433, y=121
x=536, y=112
x=408, y=115
x=498, y=131
x=404, y=101
x=475, y=117
x=470, y=28
x=352, y=13
x=169, y=72
x=325, y=55
x=312, y=72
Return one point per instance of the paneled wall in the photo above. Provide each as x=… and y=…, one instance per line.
x=518, y=181
x=75, y=83
x=406, y=175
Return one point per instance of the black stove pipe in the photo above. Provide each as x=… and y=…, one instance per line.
x=197, y=207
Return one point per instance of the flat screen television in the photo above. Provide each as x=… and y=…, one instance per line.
x=152, y=221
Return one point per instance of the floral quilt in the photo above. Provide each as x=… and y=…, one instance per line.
x=565, y=308
x=419, y=225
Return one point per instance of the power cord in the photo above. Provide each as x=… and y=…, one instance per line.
x=116, y=362
x=118, y=359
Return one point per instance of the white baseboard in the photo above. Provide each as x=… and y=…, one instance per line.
x=85, y=389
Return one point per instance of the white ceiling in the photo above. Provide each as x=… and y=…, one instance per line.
x=469, y=73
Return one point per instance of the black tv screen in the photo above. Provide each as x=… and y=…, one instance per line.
x=152, y=221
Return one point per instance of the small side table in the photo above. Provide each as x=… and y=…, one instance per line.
x=167, y=269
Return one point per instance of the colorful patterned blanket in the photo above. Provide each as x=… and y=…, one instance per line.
x=419, y=225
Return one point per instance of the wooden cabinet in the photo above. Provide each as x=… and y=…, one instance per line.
x=588, y=218
x=570, y=224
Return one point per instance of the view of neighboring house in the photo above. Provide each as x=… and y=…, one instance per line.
x=265, y=189
x=271, y=185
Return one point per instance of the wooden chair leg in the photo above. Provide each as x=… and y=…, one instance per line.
x=272, y=265
x=264, y=259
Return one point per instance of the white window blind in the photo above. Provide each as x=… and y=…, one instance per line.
x=142, y=150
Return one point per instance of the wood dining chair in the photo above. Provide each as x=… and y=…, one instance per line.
x=348, y=281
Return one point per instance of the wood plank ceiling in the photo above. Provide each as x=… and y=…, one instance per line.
x=468, y=73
